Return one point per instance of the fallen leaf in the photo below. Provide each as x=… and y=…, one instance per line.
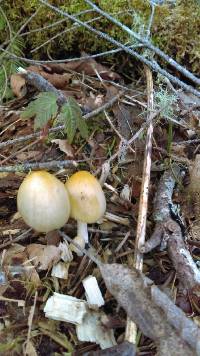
x=43, y=257
x=64, y=146
x=18, y=85
x=15, y=261
x=89, y=67
x=25, y=156
x=59, y=81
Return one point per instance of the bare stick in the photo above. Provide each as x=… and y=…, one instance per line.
x=40, y=83
x=24, y=167
x=143, y=205
x=21, y=237
x=147, y=44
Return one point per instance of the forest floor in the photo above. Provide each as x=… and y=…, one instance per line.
x=137, y=145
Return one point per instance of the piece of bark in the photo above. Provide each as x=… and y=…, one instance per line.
x=128, y=288
x=124, y=349
x=168, y=232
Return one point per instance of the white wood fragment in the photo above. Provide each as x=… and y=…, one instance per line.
x=92, y=292
x=126, y=192
x=60, y=270
x=92, y=330
x=66, y=254
x=65, y=308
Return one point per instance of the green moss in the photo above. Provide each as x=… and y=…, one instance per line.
x=175, y=29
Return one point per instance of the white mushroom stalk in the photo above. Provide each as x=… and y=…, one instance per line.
x=82, y=230
x=87, y=200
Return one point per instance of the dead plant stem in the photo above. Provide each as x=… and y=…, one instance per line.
x=130, y=334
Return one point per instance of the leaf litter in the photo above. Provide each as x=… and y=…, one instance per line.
x=43, y=265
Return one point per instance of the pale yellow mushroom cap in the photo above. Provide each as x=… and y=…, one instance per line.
x=43, y=201
x=87, y=200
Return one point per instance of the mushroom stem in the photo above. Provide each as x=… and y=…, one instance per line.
x=82, y=230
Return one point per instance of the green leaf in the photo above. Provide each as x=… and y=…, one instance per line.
x=71, y=116
x=82, y=126
x=44, y=108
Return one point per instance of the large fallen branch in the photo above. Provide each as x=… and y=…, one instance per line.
x=136, y=294
x=168, y=232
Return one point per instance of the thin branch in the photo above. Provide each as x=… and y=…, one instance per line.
x=25, y=167
x=62, y=33
x=145, y=42
x=66, y=60
x=21, y=237
x=116, y=131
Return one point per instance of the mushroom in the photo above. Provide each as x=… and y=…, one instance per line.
x=43, y=201
x=87, y=200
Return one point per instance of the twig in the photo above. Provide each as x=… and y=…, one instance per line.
x=143, y=205
x=21, y=237
x=145, y=42
x=14, y=154
x=63, y=32
x=116, y=131
x=132, y=139
x=65, y=60
x=88, y=116
x=24, y=167
x=40, y=83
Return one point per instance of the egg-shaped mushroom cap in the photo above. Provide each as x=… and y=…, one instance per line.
x=43, y=201
x=87, y=200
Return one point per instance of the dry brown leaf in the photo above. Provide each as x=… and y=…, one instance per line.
x=43, y=257
x=64, y=146
x=24, y=156
x=18, y=85
x=14, y=260
x=59, y=81
x=89, y=67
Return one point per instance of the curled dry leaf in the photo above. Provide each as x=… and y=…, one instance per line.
x=89, y=67
x=64, y=146
x=14, y=261
x=18, y=85
x=43, y=257
x=59, y=81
